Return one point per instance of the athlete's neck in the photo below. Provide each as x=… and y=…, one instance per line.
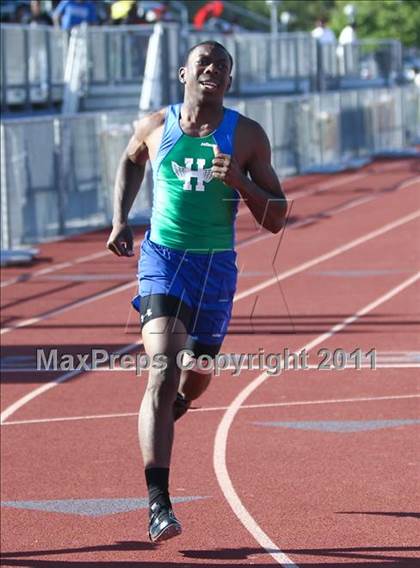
x=200, y=119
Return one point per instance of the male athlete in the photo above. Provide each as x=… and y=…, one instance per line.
x=205, y=157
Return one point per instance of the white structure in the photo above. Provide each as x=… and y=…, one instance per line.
x=323, y=34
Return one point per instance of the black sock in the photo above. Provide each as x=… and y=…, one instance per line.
x=157, y=479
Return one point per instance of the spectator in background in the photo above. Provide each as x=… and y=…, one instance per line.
x=155, y=12
x=70, y=13
x=322, y=33
x=347, y=51
x=38, y=16
x=348, y=34
x=125, y=12
x=21, y=15
x=213, y=9
x=120, y=10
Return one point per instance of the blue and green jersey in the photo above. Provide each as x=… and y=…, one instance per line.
x=191, y=209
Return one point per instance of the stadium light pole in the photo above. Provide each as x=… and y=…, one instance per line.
x=274, y=20
x=350, y=11
x=285, y=18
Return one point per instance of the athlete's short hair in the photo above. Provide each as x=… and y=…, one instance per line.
x=212, y=43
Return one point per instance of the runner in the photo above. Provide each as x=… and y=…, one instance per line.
x=205, y=158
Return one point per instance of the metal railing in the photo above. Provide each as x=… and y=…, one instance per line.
x=264, y=63
x=117, y=54
x=32, y=61
x=57, y=173
x=362, y=62
x=34, y=69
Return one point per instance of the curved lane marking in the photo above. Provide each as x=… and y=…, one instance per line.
x=221, y=438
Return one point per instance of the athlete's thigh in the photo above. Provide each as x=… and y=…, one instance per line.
x=164, y=335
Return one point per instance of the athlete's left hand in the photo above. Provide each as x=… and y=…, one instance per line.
x=226, y=168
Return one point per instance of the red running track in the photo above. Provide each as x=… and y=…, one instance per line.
x=309, y=468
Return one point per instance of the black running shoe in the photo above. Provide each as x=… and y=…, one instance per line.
x=181, y=405
x=163, y=524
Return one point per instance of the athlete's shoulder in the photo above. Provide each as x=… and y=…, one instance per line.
x=250, y=127
x=246, y=125
x=145, y=125
x=144, y=129
x=251, y=136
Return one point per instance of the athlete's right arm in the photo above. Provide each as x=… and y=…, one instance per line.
x=130, y=174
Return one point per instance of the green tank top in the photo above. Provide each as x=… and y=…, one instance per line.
x=191, y=210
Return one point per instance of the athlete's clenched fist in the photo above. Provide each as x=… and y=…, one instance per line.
x=226, y=168
x=120, y=240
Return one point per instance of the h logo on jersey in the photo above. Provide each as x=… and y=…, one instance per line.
x=201, y=174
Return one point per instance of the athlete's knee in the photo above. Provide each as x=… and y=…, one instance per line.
x=164, y=379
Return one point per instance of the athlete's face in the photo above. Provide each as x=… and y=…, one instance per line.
x=207, y=72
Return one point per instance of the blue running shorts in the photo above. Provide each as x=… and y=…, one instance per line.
x=197, y=288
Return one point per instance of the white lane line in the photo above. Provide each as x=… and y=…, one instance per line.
x=295, y=224
x=408, y=182
x=42, y=317
x=349, y=205
x=57, y=267
x=333, y=211
x=402, y=185
x=213, y=409
x=311, y=402
x=326, y=186
x=220, y=442
x=335, y=252
x=388, y=227
x=89, y=257
x=71, y=418
x=294, y=195
x=76, y=304
x=301, y=222
x=46, y=387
